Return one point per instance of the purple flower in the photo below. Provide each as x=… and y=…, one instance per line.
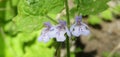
x=79, y=28
x=61, y=29
x=47, y=33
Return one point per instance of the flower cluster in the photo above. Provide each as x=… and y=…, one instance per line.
x=58, y=31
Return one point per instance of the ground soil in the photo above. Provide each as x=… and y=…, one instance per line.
x=105, y=38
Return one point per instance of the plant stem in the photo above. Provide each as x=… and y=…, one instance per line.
x=68, y=46
x=67, y=12
x=68, y=24
x=59, y=49
x=52, y=19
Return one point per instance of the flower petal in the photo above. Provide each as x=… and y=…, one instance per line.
x=52, y=32
x=84, y=30
x=76, y=32
x=72, y=27
x=40, y=38
x=44, y=35
x=60, y=36
x=46, y=38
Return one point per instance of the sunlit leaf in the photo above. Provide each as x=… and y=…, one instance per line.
x=40, y=7
x=94, y=19
x=32, y=13
x=9, y=13
x=39, y=52
x=29, y=23
x=107, y=15
x=86, y=7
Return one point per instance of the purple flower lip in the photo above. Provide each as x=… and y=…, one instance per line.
x=78, y=19
x=47, y=24
x=62, y=23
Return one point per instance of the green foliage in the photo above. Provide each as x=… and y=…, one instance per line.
x=2, y=45
x=37, y=51
x=106, y=54
x=72, y=54
x=86, y=7
x=94, y=19
x=10, y=13
x=2, y=12
x=39, y=7
x=116, y=9
x=28, y=23
x=107, y=15
x=26, y=45
x=32, y=13
x=10, y=28
x=78, y=50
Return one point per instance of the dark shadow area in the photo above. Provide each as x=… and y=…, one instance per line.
x=29, y=43
x=86, y=16
x=86, y=54
x=79, y=44
x=96, y=26
x=117, y=16
x=109, y=21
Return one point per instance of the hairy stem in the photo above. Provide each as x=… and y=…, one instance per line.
x=68, y=24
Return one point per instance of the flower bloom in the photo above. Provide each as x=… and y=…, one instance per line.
x=79, y=28
x=61, y=29
x=58, y=31
x=47, y=32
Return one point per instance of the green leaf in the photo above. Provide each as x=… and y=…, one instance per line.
x=2, y=7
x=14, y=2
x=10, y=28
x=38, y=51
x=9, y=51
x=2, y=45
x=9, y=13
x=40, y=7
x=94, y=19
x=17, y=46
x=107, y=15
x=2, y=12
x=86, y=7
x=32, y=13
x=29, y=23
x=116, y=9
